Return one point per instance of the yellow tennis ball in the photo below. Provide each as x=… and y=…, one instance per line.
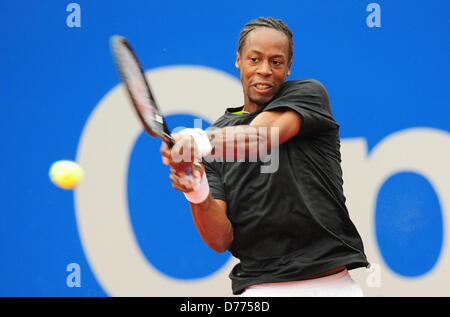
x=66, y=174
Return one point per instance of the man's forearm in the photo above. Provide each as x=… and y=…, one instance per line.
x=242, y=141
x=267, y=130
x=213, y=224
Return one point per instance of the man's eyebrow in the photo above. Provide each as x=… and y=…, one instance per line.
x=278, y=56
x=273, y=56
x=255, y=51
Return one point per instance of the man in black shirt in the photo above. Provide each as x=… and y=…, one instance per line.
x=275, y=200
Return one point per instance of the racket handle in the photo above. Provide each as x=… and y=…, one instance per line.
x=189, y=180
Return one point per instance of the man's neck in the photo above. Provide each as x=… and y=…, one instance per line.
x=251, y=107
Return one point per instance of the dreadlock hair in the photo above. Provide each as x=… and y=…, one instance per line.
x=271, y=23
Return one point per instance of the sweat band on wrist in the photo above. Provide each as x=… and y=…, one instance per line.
x=202, y=145
x=201, y=192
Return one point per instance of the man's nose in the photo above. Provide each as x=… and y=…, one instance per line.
x=265, y=69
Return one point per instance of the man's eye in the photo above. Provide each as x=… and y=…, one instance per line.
x=275, y=62
x=254, y=59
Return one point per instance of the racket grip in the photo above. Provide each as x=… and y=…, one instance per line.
x=189, y=180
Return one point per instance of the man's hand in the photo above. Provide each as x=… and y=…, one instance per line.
x=181, y=184
x=180, y=158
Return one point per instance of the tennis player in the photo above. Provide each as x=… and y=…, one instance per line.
x=288, y=224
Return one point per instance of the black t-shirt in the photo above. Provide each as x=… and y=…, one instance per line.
x=292, y=223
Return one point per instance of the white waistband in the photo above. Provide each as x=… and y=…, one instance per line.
x=339, y=284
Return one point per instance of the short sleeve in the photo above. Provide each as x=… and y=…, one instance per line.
x=309, y=98
x=214, y=176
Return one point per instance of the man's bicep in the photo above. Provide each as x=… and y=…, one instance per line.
x=287, y=122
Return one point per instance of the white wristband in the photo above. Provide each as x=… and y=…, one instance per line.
x=202, y=145
x=200, y=193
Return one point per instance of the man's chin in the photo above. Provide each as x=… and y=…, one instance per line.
x=261, y=102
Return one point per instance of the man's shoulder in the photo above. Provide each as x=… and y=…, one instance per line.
x=304, y=84
x=302, y=95
x=220, y=122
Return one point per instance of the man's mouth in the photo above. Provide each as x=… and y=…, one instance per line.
x=262, y=88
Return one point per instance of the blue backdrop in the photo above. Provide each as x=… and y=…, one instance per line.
x=380, y=80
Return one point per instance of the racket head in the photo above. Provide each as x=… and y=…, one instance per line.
x=138, y=88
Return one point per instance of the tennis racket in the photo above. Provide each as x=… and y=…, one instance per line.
x=141, y=96
x=138, y=88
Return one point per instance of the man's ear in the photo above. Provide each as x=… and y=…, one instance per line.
x=289, y=68
x=238, y=62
